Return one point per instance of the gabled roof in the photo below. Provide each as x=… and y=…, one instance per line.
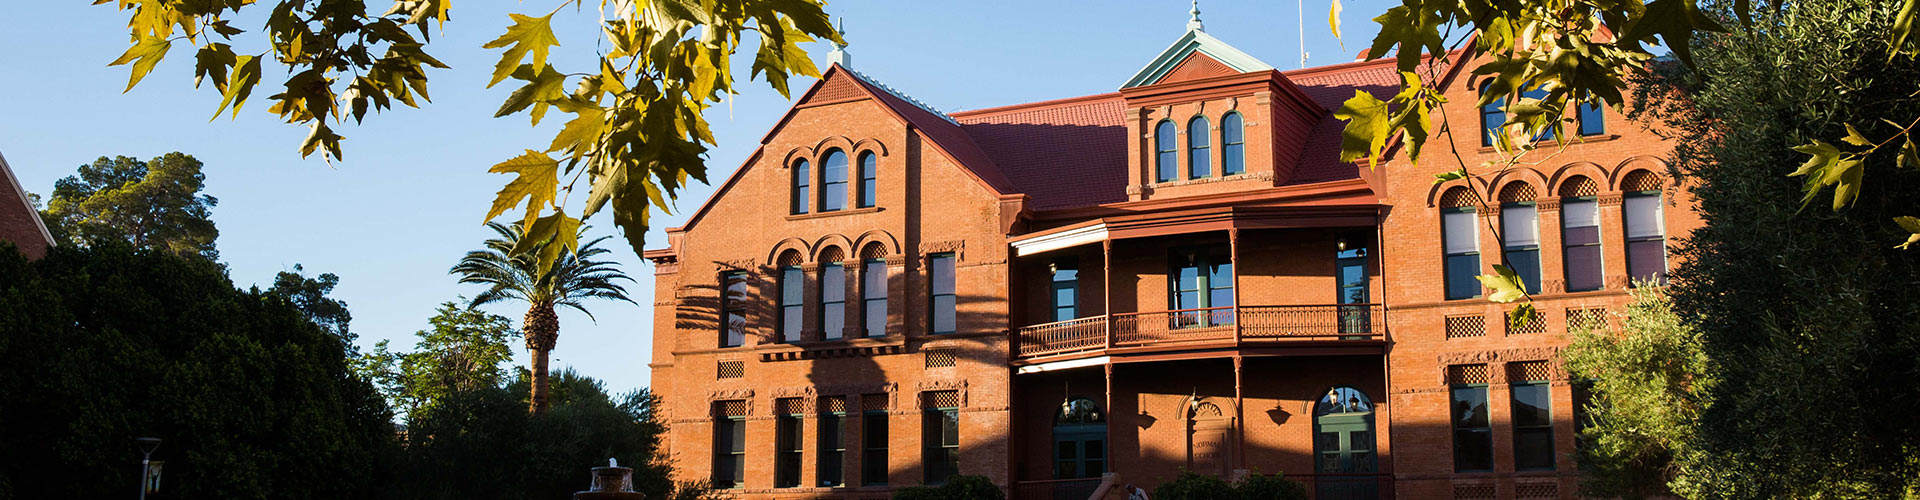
x=17, y=216
x=1195, y=41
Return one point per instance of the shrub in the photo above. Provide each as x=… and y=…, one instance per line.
x=1190, y=486
x=962, y=487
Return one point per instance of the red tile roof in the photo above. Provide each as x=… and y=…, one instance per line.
x=1070, y=153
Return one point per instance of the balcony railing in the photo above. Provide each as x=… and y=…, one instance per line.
x=1243, y=324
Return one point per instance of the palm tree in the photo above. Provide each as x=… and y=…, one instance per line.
x=574, y=279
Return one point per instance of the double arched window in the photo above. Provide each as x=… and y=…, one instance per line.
x=835, y=176
x=1199, y=155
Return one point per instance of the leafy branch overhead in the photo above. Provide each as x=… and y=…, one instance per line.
x=636, y=133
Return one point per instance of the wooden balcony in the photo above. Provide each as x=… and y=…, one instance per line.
x=1203, y=329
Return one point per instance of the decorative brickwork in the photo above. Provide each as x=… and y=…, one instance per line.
x=729, y=409
x=1466, y=326
x=1592, y=317
x=1516, y=192
x=1536, y=325
x=789, y=406
x=1642, y=180
x=1536, y=490
x=940, y=358
x=1529, y=371
x=731, y=369
x=1473, y=492
x=1467, y=374
x=939, y=399
x=1579, y=185
x=833, y=404
x=875, y=402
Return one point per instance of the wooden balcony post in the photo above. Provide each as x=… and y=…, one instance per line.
x=1233, y=256
x=1106, y=283
x=1239, y=415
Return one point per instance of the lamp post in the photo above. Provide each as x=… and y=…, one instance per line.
x=147, y=445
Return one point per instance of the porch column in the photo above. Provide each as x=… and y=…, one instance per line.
x=1106, y=284
x=1109, y=409
x=1239, y=413
x=1233, y=257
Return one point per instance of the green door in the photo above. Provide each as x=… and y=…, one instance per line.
x=1343, y=446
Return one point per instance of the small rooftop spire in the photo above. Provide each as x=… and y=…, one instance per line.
x=839, y=55
x=1194, y=23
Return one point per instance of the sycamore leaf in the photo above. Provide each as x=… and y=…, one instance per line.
x=1853, y=137
x=1521, y=315
x=320, y=136
x=538, y=180
x=1911, y=225
x=1827, y=166
x=1902, y=30
x=1506, y=285
x=528, y=35
x=213, y=60
x=582, y=132
x=1333, y=21
x=542, y=88
x=143, y=54
x=1674, y=22
x=1366, y=130
x=547, y=239
x=240, y=83
x=1909, y=156
x=1450, y=175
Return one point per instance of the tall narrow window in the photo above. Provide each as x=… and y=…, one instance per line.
x=1079, y=440
x=729, y=444
x=869, y=180
x=1472, y=430
x=833, y=300
x=1552, y=131
x=1520, y=232
x=1646, y=230
x=873, y=292
x=1166, y=157
x=792, y=300
x=1580, y=234
x=1593, y=118
x=833, y=181
x=945, y=302
x=1199, y=155
x=833, y=442
x=941, y=425
x=1350, y=268
x=733, y=308
x=1066, y=290
x=786, y=441
x=1491, y=117
x=802, y=178
x=1202, y=287
x=873, y=441
x=1233, y=145
x=1532, y=416
x=1460, y=236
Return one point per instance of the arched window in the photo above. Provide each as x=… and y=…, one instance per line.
x=1166, y=147
x=1199, y=155
x=869, y=180
x=1580, y=233
x=873, y=290
x=1079, y=439
x=1233, y=144
x=1491, y=116
x=833, y=294
x=791, y=297
x=1343, y=432
x=833, y=181
x=1646, y=227
x=1461, y=236
x=1520, y=232
x=801, y=178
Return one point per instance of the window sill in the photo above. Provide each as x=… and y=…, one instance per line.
x=1577, y=140
x=821, y=215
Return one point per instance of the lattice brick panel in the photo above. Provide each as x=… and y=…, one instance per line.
x=1536, y=325
x=836, y=89
x=1641, y=180
x=1590, y=318
x=732, y=369
x=939, y=399
x=1579, y=185
x=833, y=404
x=873, y=402
x=1459, y=197
x=1466, y=326
x=831, y=254
x=1517, y=191
x=874, y=250
x=941, y=358
x=1467, y=374
x=1536, y=490
x=790, y=258
x=1529, y=371
x=730, y=408
x=1472, y=491
x=789, y=406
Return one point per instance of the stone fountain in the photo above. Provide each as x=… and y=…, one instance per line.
x=612, y=482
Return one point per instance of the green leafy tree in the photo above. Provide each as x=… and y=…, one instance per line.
x=637, y=131
x=1650, y=379
x=1806, y=315
x=512, y=270
x=309, y=295
x=107, y=343
x=464, y=350
x=153, y=204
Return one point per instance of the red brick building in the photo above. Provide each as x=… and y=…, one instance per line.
x=1179, y=274
x=19, y=223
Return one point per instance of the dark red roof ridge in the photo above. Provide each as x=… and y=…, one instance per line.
x=1032, y=106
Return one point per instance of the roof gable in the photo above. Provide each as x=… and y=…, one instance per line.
x=1195, y=41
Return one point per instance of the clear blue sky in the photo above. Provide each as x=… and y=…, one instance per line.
x=407, y=202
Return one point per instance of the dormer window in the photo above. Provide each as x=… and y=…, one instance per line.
x=833, y=181
x=1199, y=159
x=1166, y=159
x=801, y=176
x=1233, y=144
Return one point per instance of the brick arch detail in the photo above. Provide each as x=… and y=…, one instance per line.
x=1652, y=164
x=868, y=145
x=1506, y=179
x=1479, y=187
x=880, y=237
x=1592, y=171
x=793, y=244
x=821, y=245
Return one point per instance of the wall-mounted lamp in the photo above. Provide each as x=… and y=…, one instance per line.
x=1341, y=244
